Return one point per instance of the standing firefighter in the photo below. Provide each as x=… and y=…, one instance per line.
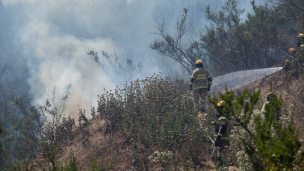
x=289, y=62
x=202, y=82
x=300, y=39
x=222, y=131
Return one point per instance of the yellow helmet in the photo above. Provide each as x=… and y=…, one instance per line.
x=292, y=50
x=302, y=46
x=199, y=62
x=269, y=97
x=221, y=103
x=301, y=35
x=287, y=61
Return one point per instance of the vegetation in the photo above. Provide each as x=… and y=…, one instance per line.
x=155, y=117
x=268, y=145
x=260, y=41
x=157, y=114
x=114, y=68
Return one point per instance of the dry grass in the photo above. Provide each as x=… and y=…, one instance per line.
x=95, y=139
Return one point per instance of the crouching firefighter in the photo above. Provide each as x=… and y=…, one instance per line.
x=222, y=129
x=271, y=100
x=202, y=82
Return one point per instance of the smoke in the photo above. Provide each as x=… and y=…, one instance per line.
x=63, y=61
x=52, y=38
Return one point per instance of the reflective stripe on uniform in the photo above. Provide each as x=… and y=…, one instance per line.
x=201, y=77
x=263, y=110
x=209, y=76
x=223, y=117
x=219, y=134
x=200, y=87
x=209, y=82
x=191, y=83
x=193, y=77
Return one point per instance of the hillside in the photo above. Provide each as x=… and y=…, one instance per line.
x=102, y=140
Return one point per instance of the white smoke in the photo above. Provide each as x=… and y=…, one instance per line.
x=55, y=35
x=62, y=61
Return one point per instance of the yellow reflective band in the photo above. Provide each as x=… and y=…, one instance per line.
x=200, y=87
x=209, y=76
x=191, y=83
x=223, y=117
x=219, y=134
x=225, y=138
x=201, y=75
x=193, y=77
x=263, y=110
x=209, y=82
x=200, y=78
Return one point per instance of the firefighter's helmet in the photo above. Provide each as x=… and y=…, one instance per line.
x=271, y=96
x=199, y=62
x=302, y=46
x=221, y=103
x=291, y=50
x=286, y=62
x=301, y=35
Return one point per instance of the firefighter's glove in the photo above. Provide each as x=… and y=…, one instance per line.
x=190, y=87
x=217, y=140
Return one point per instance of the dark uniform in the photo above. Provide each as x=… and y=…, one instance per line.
x=222, y=130
x=300, y=39
x=289, y=63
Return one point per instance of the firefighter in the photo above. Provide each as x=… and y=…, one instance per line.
x=300, y=39
x=289, y=62
x=292, y=51
x=202, y=81
x=270, y=98
x=287, y=65
x=222, y=129
x=302, y=47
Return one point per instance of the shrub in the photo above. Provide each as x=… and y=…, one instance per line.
x=267, y=144
x=156, y=113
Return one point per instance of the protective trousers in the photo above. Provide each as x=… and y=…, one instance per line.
x=219, y=157
x=199, y=96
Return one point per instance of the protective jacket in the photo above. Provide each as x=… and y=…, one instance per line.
x=201, y=78
x=277, y=114
x=300, y=41
x=222, y=131
x=288, y=65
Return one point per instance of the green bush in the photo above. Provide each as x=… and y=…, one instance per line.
x=98, y=165
x=156, y=113
x=70, y=165
x=266, y=143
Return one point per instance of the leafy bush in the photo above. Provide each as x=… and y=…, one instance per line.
x=70, y=165
x=164, y=158
x=98, y=165
x=156, y=113
x=267, y=144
